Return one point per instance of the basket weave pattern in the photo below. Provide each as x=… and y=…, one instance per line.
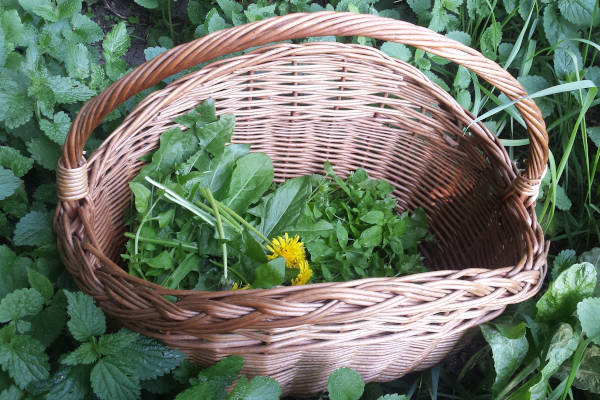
x=302, y=105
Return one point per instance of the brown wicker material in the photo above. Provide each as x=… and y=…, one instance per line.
x=302, y=105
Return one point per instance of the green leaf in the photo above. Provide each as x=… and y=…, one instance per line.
x=256, y=13
x=462, y=80
x=594, y=135
x=578, y=12
x=34, y=229
x=115, y=343
x=218, y=174
x=282, y=208
x=439, y=17
x=534, y=83
x=12, y=270
x=588, y=312
x=116, y=42
x=214, y=135
x=151, y=4
x=113, y=379
x=490, y=40
x=309, y=230
x=42, y=8
x=251, y=177
x=19, y=304
x=587, y=377
x=11, y=393
x=190, y=263
x=66, y=8
x=230, y=7
x=142, y=196
x=421, y=8
x=270, y=274
x=567, y=60
x=215, y=379
x=67, y=90
x=175, y=147
x=259, y=388
x=509, y=5
x=563, y=202
x=563, y=294
x=195, y=12
x=525, y=7
x=8, y=183
x=40, y=283
x=508, y=351
x=77, y=60
x=593, y=74
x=460, y=36
x=151, y=52
x=393, y=397
x=25, y=360
x=204, y=390
x=16, y=108
x=463, y=97
x=152, y=359
x=397, y=50
x=45, y=152
x=341, y=234
x=345, y=384
x=57, y=130
x=85, y=30
x=162, y=261
x=556, y=27
x=86, y=320
x=563, y=260
x=84, y=354
x=50, y=322
x=371, y=237
x=13, y=159
x=562, y=346
x=70, y=383
x=373, y=217
x=214, y=22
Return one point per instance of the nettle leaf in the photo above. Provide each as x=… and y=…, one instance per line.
x=593, y=73
x=12, y=393
x=77, y=60
x=214, y=380
x=57, y=130
x=256, y=13
x=259, y=388
x=588, y=312
x=115, y=343
x=563, y=202
x=397, y=50
x=19, y=304
x=66, y=8
x=439, y=17
x=345, y=384
x=67, y=90
x=578, y=12
x=463, y=97
x=509, y=5
x=562, y=346
x=150, y=4
x=420, y=8
x=116, y=41
x=460, y=36
x=509, y=348
x=13, y=159
x=87, y=320
x=462, y=80
x=85, y=30
x=44, y=151
x=40, y=283
x=195, y=12
x=25, y=360
x=204, y=390
x=251, y=177
x=69, y=383
x=41, y=8
x=8, y=183
x=563, y=294
x=563, y=260
x=151, y=52
x=12, y=270
x=84, y=354
x=47, y=325
x=153, y=359
x=34, y=229
x=16, y=108
x=111, y=378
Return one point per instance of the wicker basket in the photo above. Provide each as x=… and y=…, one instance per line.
x=302, y=105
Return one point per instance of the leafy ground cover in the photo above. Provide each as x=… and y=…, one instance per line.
x=57, y=54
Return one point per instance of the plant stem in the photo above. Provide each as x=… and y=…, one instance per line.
x=213, y=203
x=164, y=242
x=226, y=217
x=242, y=221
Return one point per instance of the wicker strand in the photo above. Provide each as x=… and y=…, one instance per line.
x=72, y=183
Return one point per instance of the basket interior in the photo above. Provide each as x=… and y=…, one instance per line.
x=352, y=105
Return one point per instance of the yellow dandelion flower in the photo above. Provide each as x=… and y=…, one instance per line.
x=304, y=274
x=239, y=286
x=292, y=249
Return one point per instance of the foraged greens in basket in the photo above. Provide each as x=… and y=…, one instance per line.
x=207, y=215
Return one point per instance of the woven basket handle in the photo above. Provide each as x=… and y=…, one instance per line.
x=71, y=173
